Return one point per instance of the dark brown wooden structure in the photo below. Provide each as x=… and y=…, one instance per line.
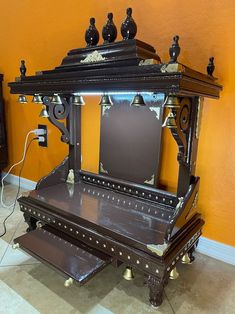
x=120, y=215
x=3, y=139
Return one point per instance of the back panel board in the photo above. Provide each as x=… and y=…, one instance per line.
x=130, y=140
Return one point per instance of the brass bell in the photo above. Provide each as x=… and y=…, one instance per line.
x=56, y=99
x=22, y=99
x=44, y=113
x=172, y=102
x=186, y=259
x=128, y=273
x=15, y=246
x=37, y=99
x=170, y=122
x=138, y=101
x=77, y=100
x=68, y=282
x=105, y=101
x=174, y=274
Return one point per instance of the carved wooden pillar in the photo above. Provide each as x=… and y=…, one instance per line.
x=74, y=126
x=31, y=221
x=156, y=287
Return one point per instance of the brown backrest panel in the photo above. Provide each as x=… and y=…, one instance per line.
x=130, y=140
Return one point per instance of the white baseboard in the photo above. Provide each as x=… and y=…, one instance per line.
x=24, y=183
x=217, y=250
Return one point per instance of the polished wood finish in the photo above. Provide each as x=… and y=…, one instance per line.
x=120, y=212
x=64, y=254
x=3, y=137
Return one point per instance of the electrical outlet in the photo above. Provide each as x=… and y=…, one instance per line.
x=45, y=142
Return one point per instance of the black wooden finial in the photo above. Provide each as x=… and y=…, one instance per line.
x=92, y=34
x=211, y=66
x=109, y=31
x=22, y=68
x=128, y=27
x=174, y=50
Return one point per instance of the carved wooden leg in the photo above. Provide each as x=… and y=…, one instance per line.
x=31, y=221
x=156, y=287
x=191, y=251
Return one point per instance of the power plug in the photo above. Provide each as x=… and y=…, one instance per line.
x=42, y=135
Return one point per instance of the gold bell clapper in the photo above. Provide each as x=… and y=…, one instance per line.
x=170, y=122
x=128, y=273
x=186, y=259
x=174, y=274
x=172, y=102
x=68, y=282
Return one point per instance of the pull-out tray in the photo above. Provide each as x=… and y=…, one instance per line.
x=63, y=253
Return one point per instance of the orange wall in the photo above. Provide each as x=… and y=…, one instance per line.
x=41, y=32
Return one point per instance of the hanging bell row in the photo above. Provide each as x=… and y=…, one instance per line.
x=172, y=101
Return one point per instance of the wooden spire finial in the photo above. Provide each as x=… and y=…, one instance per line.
x=128, y=27
x=211, y=66
x=92, y=34
x=109, y=31
x=22, y=68
x=174, y=50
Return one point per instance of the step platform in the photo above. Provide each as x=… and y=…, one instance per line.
x=68, y=256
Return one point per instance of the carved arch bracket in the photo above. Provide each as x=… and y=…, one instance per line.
x=182, y=117
x=58, y=111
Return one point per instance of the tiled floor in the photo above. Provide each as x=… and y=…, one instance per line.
x=27, y=286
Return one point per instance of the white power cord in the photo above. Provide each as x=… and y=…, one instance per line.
x=37, y=132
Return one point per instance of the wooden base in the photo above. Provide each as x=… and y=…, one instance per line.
x=70, y=219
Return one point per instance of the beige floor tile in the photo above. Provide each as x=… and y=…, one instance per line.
x=3, y=248
x=17, y=257
x=206, y=286
x=12, y=303
x=107, y=293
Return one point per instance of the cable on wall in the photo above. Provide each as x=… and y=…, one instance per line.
x=26, y=148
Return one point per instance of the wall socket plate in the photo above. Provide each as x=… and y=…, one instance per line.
x=45, y=143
